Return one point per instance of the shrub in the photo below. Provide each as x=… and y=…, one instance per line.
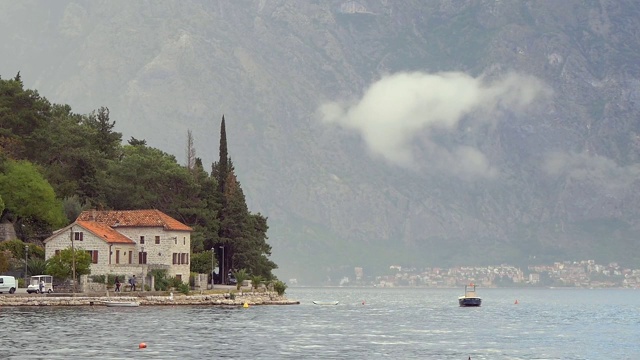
x=97, y=279
x=36, y=266
x=183, y=288
x=256, y=281
x=160, y=279
x=176, y=283
x=240, y=275
x=279, y=287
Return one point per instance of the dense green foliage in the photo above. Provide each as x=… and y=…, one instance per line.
x=202, y=262
x=28, y=195
x=60, y=266
x=256, y=281
x=4, y=261
x=55, y=163
x=36, y=266
x=280, y=287
x=17, y=249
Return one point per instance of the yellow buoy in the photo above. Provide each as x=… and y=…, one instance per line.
x=246, y=305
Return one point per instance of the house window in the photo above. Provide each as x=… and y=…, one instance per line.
x=184, y=241
x=179, y=277
x=130, y=257
x=175, y=240
x=180, y=258
x=142, y=257
x=117, y=256
x=94, y=256
x=141, y=240
x=57, y=252
x=157, y=239
x=77, y=236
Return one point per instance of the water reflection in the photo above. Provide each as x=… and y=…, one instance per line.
x=398, y=323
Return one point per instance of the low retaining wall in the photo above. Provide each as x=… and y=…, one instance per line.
x=239, y=299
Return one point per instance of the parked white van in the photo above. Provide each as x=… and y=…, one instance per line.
x=7, y=284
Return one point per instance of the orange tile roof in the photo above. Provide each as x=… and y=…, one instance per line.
x=105, y=233
x=134, y=218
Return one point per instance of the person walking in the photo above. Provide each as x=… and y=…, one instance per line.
x=132, y=282
x=117, y=284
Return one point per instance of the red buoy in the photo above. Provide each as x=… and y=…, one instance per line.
x=142, y=346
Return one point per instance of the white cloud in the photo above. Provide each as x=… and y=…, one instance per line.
x=395, y=109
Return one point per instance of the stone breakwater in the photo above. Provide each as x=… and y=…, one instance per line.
x=238, y=299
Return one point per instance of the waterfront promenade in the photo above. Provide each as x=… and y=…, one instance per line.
x=147, y=299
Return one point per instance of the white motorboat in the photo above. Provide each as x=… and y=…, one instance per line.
x=121, y=303
x=325, y=302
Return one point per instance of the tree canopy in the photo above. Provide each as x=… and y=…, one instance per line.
x=55, y=163
x=60, y=266
x=28, y=195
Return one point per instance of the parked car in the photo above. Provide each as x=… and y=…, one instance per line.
x=231, y=280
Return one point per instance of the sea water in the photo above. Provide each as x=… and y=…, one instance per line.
x=367, y=323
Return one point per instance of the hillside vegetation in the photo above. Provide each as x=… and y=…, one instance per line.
x=55, y=163
x=499, y=182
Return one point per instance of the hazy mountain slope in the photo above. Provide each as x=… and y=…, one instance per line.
x=556, y=177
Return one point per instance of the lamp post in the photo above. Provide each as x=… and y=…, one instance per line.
x=223, y=278
x=26, y=275
x=212, y=264
x=143, y=274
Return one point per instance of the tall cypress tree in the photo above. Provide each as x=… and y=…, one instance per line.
x=223, y=169
x=241, y=235
x=220, y=171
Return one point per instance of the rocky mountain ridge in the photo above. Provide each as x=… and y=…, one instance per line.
x=553, y=179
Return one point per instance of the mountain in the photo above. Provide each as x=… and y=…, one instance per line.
x=425, y=133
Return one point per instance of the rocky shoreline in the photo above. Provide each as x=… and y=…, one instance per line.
x=218, y=299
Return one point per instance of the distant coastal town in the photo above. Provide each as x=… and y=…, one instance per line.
x=583, y=274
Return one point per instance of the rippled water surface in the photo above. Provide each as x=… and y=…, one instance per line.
x=367, y=324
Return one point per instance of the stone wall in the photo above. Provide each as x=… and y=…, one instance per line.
x=7, y=232
x=226, y=299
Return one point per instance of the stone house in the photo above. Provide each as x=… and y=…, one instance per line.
x=127, y=242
